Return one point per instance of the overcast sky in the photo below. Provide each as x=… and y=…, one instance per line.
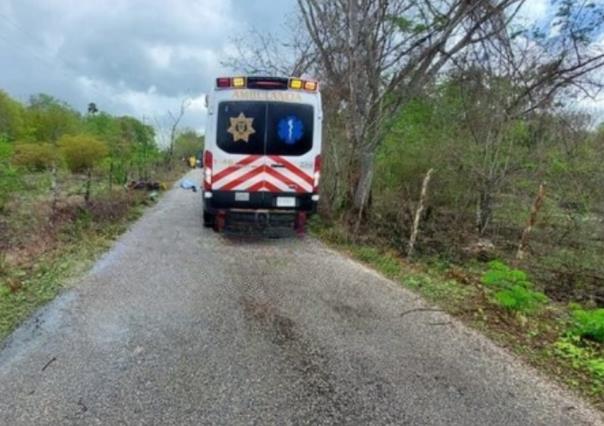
x=137, y=57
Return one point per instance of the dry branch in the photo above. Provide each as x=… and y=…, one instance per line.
x=418, y=213
x=537, y=204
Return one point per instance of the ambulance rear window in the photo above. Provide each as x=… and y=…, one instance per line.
x=241, y=127
x=269, y=128
x=289, y=129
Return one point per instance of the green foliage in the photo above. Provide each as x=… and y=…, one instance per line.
x=9, y=181
x=49, y=119
x=11, y=118
x=187, y=144
x=589, y=324
x=35, y=156
x=514, y=291
x=581, y=357
x=82, y=152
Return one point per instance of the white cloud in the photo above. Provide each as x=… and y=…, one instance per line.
x=137, y=57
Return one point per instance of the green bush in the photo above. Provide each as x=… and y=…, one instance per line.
x=82, y=152
x=583, y=357
x=514, y=291
x=589, y=324
x=9, y=181
x=35, y=156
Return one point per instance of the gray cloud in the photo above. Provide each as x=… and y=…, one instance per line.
x=130, y=57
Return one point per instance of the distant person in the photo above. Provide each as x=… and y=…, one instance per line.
x=192, y=161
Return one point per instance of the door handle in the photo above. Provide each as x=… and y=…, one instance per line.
x=277, y=165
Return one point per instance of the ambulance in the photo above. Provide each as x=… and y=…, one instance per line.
x=262, y=157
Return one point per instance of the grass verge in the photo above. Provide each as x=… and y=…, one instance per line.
x=34, y=283
x=541, y=337
x=43, y=252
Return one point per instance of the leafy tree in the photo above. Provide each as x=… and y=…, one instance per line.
x=137, y=146
x=83, y=152
x=50, y=118
x=12, y=125
x=188, y=143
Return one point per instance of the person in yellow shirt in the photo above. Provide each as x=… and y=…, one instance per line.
x=192, y=161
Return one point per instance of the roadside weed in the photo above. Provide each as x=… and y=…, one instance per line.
x=588, y=324
x=513, y=290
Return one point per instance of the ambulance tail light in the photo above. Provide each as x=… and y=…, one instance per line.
x=207, y=170
x=223, y=82
x=316, y=175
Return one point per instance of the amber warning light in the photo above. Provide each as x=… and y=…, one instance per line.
x=266, y=83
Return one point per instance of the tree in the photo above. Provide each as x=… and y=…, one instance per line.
x=83, y=152
x=136, y=146
x=188, y=143
x=92, y=109
x=50, y=118
x=12, y=125
x=174, y=127
x=507, y=82
x=380, y=54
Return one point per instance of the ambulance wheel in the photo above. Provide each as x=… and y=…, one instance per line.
x=208, y=219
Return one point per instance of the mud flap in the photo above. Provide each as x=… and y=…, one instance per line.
x=300, y=223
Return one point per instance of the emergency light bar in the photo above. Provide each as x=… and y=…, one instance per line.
x=266, y=83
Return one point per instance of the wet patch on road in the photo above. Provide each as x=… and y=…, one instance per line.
x=322, y=395
x=280, y=328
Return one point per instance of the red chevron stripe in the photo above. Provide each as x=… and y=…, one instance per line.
x=263, y=185
x=290, y=183
x=292, y=168
x=236, y=182
x=243, y=162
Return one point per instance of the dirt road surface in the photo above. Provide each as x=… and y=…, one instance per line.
x=179, y=325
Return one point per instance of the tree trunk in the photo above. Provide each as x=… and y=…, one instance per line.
x=111, y=175
x=54, y=188
x=484, y=211
x=363, y=188
x=88, y=184
x=537, y=204
x=363, y=185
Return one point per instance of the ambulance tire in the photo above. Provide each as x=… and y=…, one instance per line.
x=208, y=219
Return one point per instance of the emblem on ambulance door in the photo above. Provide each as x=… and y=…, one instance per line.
x=290, y=129
x=241, y=128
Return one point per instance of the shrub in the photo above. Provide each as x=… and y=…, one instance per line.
x=580, y=356
x=35, y=156
x=82, y=152
x=514, y=291
x=9, y=181
x=589, y=324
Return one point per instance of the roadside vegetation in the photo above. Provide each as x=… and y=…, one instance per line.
x=457, y=160
x=69, y=184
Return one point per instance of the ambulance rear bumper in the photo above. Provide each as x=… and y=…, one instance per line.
x=281, y=201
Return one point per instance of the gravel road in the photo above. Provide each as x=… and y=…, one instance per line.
x=179, y=325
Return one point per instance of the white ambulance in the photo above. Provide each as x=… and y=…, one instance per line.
x=262, y=154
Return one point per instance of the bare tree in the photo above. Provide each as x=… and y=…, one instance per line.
x=513, y=77
x=260, y=53
x=175, y=121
